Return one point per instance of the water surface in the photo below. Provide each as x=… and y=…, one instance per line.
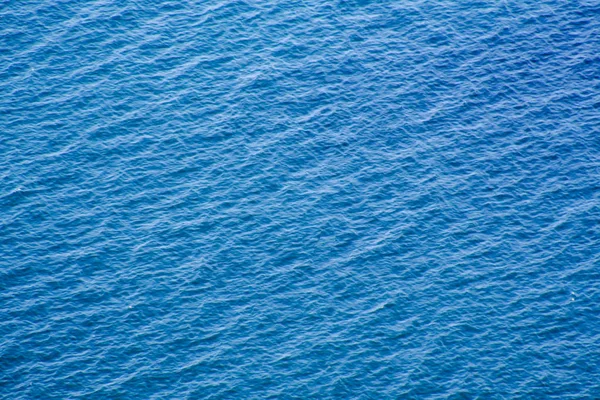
x=299, y=199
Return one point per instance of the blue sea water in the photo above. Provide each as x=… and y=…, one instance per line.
x=302, y=199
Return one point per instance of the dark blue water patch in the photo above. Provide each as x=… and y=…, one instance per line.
x=346, y=199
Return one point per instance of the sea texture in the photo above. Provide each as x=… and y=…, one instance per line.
x=301, y=199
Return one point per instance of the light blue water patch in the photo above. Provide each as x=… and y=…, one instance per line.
x=299, y=199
